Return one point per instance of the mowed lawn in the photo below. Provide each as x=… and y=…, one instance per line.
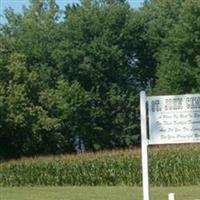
x=95, y=193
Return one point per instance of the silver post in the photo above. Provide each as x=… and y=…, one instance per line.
x=144, y=142
x=171, y=196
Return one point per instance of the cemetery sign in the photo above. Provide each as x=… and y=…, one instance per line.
x=174, y=119
x=171, y=120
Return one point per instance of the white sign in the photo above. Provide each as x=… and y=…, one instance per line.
x=174, y=119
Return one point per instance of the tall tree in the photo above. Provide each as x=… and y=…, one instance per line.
x=35, y=34
x=99, y=52
x=27, y=67
x=178, y=71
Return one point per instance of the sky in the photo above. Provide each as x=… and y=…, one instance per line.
x=17, y=5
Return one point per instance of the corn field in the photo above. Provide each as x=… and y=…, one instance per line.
x=168, y=166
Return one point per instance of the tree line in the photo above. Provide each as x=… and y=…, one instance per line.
x=70, y=79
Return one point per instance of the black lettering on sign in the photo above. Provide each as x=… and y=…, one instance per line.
x=173, y=104
x=155, y=106
x=193, y=102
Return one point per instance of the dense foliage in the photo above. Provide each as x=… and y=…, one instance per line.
x=169, y=166
x=69, y=80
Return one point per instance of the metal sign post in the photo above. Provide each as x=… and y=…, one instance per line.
x=144, y=143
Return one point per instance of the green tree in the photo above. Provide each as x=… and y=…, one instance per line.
x=35, y=33
x=178, y=69
x=99, y=52
x=72, y=82
x=71, y=105
x=27, y=67
x=21, y=119
x=156, y=19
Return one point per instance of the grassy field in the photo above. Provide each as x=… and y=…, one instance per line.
x=95, y=193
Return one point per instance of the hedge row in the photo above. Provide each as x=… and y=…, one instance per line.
x=168, y=166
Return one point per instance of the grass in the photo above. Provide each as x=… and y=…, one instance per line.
x=95, y=193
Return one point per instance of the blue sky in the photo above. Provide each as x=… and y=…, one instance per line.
x=17, y=5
